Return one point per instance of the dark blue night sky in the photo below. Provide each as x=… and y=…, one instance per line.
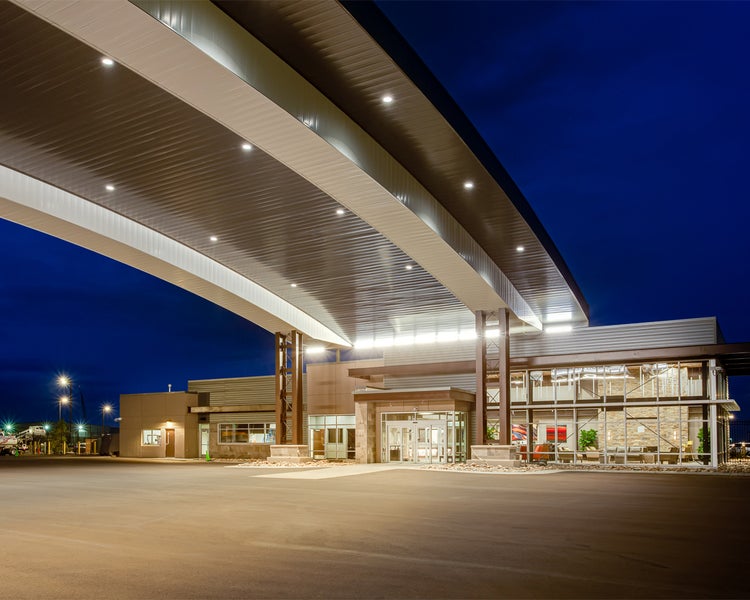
x=625, y=125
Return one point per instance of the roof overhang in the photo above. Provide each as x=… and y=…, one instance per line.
x=198, y=57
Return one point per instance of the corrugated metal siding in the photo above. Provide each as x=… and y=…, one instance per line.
x=464, y=382
x=634, y=336
x=260, y=417
x=240, y=390
x=430, y=353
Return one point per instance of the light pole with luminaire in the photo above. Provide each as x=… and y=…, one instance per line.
x=63, y=400
x=66, y=383
x=106, y=409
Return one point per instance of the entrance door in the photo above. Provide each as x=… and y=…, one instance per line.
x=400, y=442
x=203, y=428
x=318, y=442
x=430, y=437
x=169, y=450
x=422, y=441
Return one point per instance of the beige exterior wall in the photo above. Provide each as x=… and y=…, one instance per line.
x=247, y=394
x=249, y=451
x=330, y=390
x=162, y=411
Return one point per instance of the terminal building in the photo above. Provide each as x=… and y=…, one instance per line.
x=647, y=393
x=297, y=164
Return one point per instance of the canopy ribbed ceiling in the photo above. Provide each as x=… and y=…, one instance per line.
x=68, y=121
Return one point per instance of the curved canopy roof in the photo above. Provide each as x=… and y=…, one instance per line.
x=348, y=219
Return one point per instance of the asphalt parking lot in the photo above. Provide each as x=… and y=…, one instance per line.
x=112, y=528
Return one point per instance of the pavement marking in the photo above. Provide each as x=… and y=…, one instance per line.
x=536, y=472
x=63, y=538
x=542, y=572
x=331, y=472
x=363, y=469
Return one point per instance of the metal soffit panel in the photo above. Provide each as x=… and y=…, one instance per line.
x=295, y=123
x=68, y=121
x=354, y=72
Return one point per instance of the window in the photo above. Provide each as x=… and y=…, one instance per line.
x=151, y=437
x=247, y=433
x=335, y=436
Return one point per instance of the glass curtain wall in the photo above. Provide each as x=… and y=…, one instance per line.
x=657, y=413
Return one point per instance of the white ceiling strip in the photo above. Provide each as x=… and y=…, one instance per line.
x=45, y=208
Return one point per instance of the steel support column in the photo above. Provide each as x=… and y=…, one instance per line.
x=289, y=399
x=295, y=358
x=480, y=411
x=504, y=376
x=493, y=378
x=281, y=387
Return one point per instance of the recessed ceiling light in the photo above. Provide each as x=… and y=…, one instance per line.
x=520, y=248
x=109, y=187
x=294, y=285
x=409, y=267
x=468, y=185
x=387, y=99
x=107, y=62
x=339, y=211
x=247, y=147
x=213, y=238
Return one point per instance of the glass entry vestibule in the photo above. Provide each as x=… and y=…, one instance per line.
x=438, y=437
x=425, y=425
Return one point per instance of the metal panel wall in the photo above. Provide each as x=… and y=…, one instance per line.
x=431, y=353
x=463, y=382
x=234, y=391
x=633, y=336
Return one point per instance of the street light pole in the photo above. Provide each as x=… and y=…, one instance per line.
x=65, y=382
x=106, y=408
x=62, y=400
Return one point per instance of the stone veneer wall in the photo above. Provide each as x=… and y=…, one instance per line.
x=673, y=420
x=366, y=442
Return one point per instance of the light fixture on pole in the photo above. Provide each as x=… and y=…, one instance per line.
x=66, y=384
x=106, y=409
x=62, y=400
